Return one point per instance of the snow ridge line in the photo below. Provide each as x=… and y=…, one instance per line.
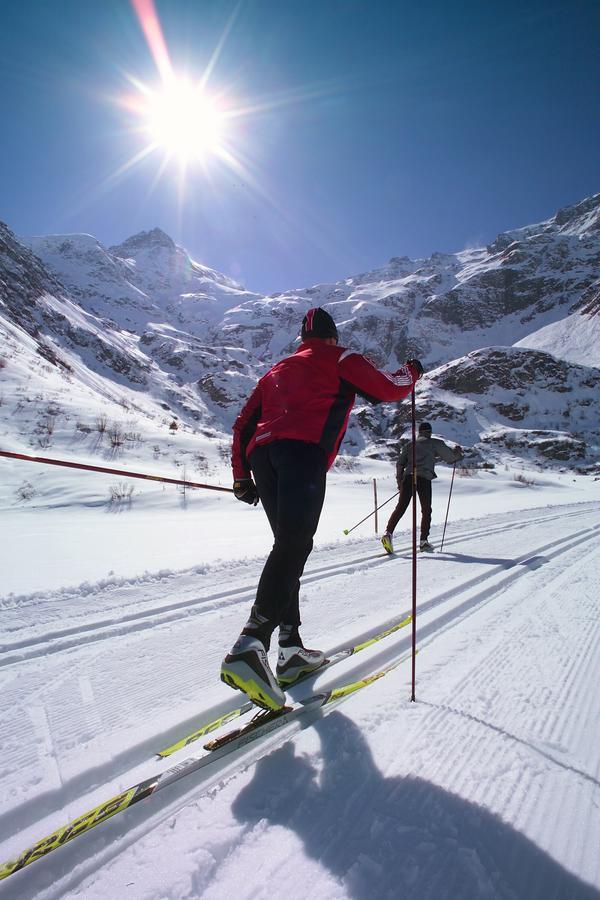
x=74, y=636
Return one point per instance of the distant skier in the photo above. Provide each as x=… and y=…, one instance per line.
x=287, y=436
x=428, y=451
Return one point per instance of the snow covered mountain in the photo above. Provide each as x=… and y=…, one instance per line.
x=509, y=333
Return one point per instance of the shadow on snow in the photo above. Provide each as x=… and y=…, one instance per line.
x=397, y=837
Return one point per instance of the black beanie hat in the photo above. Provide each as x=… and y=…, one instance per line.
x=425, y=427
x=318, y=324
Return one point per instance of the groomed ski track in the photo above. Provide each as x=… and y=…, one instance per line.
x=96, y=680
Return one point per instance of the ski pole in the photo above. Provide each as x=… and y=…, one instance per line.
x=103, y=469
x=348, y=530
x=414, y=543
x=448, y=507
x=375, y=503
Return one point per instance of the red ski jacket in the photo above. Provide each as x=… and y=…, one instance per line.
x=308, y=397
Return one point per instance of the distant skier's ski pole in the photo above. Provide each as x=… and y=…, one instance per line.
x=88, y=468
x=448, y=507
x=348, y=530
x=414, y=542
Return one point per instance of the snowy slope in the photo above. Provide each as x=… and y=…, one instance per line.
x=487, y=786
x=144, y=323
x=575, y=339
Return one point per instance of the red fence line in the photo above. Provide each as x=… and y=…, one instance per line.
x=88, y=468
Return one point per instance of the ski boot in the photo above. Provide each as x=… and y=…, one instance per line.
x=247, y=669
x=293, y=662
x=386, y=540
x=426, y=547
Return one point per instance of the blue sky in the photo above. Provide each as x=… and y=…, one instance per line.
x=379, y=128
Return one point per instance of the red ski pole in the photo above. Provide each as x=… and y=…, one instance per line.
x=414, y=543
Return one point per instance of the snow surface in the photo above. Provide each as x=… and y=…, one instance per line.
x=115, y=618
x=575, y=338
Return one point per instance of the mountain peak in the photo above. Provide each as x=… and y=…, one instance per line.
x=585, y=213
x=144, y=240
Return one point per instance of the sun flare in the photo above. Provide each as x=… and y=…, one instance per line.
x=184, y=121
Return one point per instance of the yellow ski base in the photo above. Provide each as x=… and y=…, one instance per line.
x=252, y=690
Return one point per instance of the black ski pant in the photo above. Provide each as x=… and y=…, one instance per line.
x=290, y=477
x=424, y=492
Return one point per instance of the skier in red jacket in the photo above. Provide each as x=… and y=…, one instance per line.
x=287, y=436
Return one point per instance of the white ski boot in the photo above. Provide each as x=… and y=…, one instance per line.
x=293, y=662
x=247, y=669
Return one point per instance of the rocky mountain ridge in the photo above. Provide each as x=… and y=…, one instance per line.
x=143, y=318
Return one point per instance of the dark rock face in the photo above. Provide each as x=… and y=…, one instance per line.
x=23, y=280
x=534, y=404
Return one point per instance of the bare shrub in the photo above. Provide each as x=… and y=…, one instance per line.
x=347, y=464
x=120, y=492
x=101, y=423
x=527, y=482
x=200, y=462
x=465, y=471
x=115, y=435
x=2, y=362
x=26, y=491
x=224, y=451
x=49, y=424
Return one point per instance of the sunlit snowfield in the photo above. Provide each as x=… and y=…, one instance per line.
x=115, y=617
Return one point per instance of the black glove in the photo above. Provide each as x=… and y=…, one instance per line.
x=416, y=364
x=245, y=489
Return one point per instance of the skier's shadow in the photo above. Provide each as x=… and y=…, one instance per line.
x=402, y=838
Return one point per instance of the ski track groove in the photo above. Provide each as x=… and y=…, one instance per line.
x=443, y=716
x=125, y=702
x=15, y=652
x=69, y=726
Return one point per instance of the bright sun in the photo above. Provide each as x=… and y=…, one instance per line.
x=184, y=121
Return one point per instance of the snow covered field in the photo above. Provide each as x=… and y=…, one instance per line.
x=115, y=618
